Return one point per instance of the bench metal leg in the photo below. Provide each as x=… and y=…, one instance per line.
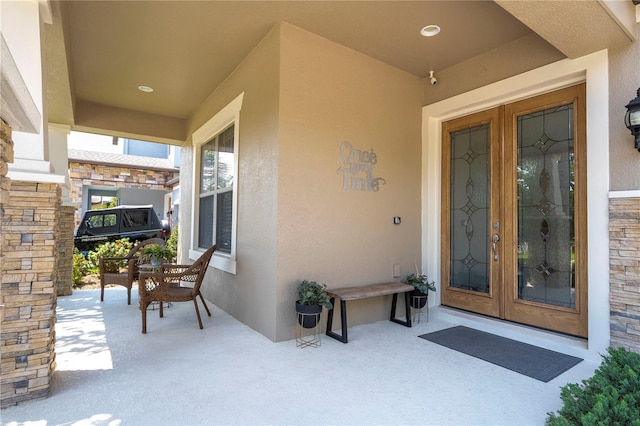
x=407, y=307
x=343, y=317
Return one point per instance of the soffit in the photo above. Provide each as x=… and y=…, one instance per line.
x=99, y=52
x=185, y=49
x=577, y=27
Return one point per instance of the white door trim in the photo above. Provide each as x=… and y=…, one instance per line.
x=593, y=69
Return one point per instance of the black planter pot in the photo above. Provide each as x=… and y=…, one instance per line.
x=311, y=315
x=418, y=299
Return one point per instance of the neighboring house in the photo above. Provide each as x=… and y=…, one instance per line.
x=98, y=177
x=515, y=178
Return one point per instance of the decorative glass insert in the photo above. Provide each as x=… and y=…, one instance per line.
x=470, y=199
x=546, y=231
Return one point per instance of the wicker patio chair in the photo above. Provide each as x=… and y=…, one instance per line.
x=174, y=283
x=112, y=273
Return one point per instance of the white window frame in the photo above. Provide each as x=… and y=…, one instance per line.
x=229, y=115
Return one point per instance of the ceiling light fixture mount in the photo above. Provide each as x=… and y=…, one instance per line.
x=430, y=30
x=145, y=89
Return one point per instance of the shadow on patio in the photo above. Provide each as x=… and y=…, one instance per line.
x=108, y=373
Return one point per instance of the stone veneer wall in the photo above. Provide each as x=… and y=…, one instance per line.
x=6, y=157
x=64, y=285
x=82, y=174
x=28, y=268
x=624, y=271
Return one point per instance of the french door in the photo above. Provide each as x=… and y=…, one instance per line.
x=514, y=241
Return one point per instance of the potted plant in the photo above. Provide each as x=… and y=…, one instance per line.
x=422, y=286
x=313, y=297
x=157, y=253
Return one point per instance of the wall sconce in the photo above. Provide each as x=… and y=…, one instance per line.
x=632, y=119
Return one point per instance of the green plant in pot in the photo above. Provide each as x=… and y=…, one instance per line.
x=422, y=287
x=156, y=253
x=313, y=297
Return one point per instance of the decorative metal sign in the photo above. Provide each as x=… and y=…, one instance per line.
x=357, y=169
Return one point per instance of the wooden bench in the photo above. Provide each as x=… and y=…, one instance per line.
x=363, y=292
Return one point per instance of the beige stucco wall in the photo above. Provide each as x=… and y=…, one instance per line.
x=304, y=96
x=524, y=54
x=624, y=81
x=250, y=294
x=331, y=94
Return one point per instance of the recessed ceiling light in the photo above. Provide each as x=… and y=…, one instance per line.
x=430, y=30
x=145, y=89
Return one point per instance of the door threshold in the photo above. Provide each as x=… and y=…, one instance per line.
x=547, y=339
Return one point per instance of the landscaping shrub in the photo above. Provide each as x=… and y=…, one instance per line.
x=118, y=248
x=80, y=267
x=172, y=242
x=610, y=397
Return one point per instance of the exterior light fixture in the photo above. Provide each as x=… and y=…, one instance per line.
x=632, y=119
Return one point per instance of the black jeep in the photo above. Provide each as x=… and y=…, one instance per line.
x=134, y=222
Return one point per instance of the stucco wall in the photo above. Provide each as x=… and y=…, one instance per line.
x=329, y=95
x=524, y=54
x=249, y=295
x=304, y=97
x=624, y=81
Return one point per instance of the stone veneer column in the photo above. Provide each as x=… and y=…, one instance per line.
x=30, y=214
x=6, y=157
x=64, y=286
x=624, y=271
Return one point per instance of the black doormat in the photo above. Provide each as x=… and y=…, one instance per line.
x=538, y=363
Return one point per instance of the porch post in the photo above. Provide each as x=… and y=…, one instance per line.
x=28, y=270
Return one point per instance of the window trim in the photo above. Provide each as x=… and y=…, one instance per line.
x=227, y=116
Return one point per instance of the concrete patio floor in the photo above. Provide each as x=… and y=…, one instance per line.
x=108, y=373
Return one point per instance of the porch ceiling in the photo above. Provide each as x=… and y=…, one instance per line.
x=98, y=52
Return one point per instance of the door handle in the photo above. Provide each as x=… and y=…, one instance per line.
x=494, y=240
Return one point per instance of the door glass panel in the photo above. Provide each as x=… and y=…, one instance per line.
x=546, y=236
x=470, y=167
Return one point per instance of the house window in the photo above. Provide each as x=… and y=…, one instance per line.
x=217, y=159
x=215, y=179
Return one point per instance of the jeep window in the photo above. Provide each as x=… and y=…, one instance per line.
x=135, y=218
x=102, y=220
